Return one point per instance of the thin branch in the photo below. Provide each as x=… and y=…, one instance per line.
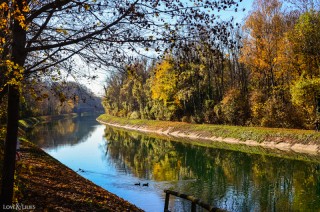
x=29, y=72
x=41, y=28
x=52, y=5
x=88, y=36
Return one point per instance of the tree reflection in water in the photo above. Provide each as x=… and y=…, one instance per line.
x=62, y=132
x=232, y=180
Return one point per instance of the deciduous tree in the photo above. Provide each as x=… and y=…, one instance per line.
x=41, y=37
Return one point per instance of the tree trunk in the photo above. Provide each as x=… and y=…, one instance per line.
x=10, y=147
x=18, y=58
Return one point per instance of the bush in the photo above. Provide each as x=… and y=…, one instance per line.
x=186, y=119
x=275, y=111
x=257, y=101
x=218, y=113
x=208, y=113
x=196, y=119
x=134, y=115
x=234, y=107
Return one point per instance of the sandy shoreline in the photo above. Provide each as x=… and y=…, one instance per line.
x=312, y=149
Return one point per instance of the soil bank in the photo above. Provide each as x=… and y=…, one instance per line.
x=47, y=185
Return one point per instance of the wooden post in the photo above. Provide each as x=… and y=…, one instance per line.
x=193, y=207
x=166, y=203
x=194, y=202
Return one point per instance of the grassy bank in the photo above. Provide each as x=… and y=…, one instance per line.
x=305, y=141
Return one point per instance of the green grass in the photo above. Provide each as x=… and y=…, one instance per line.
x=258, y=134
x=211, y=144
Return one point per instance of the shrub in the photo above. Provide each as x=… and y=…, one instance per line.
x=186, y=119
x=234, y=106
x=135, y=115
x=276, y=110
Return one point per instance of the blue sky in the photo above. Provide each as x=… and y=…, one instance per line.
x=240, y=14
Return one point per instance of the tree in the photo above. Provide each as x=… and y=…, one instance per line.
x=266, y=53
x=185, y=85
x=163, y=90
x=17, y=58
x=111, y=101
x=303, y=47
x=265, y=27
x=42, y=37
x=138, y=74
x=53, y=98
x=305, y=94
x=305, y=43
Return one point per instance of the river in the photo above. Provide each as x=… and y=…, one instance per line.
x=119, y=161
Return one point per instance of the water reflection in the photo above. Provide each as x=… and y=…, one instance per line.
x=65, y=132
x=232, y=180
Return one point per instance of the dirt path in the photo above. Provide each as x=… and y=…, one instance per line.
x=48, y=185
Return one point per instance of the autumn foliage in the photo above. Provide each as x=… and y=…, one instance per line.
x=268, y=75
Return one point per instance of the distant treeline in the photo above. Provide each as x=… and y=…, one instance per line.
x=55, y=98
x=59, y=98
x=267, y=75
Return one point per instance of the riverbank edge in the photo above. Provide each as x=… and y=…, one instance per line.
x=33, y=172
x=44, y=181
x=299, y=141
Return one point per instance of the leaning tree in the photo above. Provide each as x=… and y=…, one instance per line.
x=41, y=38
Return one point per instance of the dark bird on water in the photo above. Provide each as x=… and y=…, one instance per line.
x=145, y=184
x=137, y=184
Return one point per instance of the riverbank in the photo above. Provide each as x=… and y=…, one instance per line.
x=300, y=141
x=44, y=184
